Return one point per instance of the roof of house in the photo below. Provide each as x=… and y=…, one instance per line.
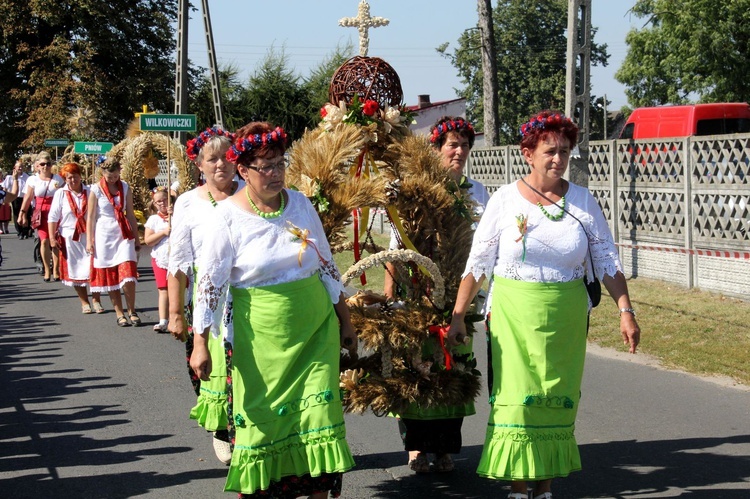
x=416, y=108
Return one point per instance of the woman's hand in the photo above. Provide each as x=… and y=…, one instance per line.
x=177, y=327
x=90, y=246
x=631, y=333
x=200, y=360
x=457, y=331
x=22, y=221
x=166, y=231
x=349, y=339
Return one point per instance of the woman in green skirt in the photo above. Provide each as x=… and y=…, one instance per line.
x=194, y=213
x=538, y=240
x=287, y=324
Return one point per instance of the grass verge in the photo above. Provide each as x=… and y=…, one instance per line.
x=688, y=329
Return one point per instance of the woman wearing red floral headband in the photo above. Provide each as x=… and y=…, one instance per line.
x=194, y=213
x=289, y=321
x=437, y=430
x=538, y=240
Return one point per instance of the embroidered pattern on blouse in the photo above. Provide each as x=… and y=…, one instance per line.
x=482, y=262
x=209, y=293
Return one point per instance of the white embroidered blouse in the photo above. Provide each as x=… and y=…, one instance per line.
x=556, y=251
x=192, y=217
x=245, y=250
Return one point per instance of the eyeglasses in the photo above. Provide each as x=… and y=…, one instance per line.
x=279, y=166
x=44, y=164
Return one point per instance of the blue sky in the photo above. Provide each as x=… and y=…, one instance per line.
x=309, y=31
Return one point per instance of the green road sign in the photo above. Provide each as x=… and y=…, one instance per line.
x=56, y=143
x=92, y=147
x=168, y=122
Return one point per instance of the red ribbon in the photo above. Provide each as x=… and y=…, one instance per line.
x=80, y=215
x=127, y=232
x=442, y=333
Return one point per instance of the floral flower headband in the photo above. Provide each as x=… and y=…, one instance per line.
x=539, y=122
x=245, y=144
x=445, y=126
x=194, y=146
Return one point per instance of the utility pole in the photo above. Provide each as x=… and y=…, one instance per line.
x=215, y=82
x=489, y=72
x=181, y=71
x=577, y=83
x=604, y=105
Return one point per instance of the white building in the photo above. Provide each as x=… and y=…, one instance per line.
x=426, y=113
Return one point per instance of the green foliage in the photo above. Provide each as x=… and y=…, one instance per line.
x=687, y=49
x=110, y=57
x=319, y=80
x=531, y=44
x=273, y=93
x=233, y=95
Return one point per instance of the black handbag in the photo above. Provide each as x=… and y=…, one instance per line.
x=593, y=288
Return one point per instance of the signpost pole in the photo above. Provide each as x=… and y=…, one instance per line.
x=169, y=181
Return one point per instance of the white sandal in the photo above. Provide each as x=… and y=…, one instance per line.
x=544, y=495
x=518, y=495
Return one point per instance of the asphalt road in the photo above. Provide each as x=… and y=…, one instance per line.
x=91, y=410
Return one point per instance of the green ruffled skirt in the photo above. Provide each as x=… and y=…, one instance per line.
x=287, y=403
x=538, y=345
x=210, y=410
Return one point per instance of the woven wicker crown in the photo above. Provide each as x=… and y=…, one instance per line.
x=368, y=77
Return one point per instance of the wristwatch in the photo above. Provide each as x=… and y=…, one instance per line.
x=629, y=310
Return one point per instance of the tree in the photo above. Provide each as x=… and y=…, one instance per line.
x=687, y=49
x=530, y=39
x=274, y=94
x=319, y=81
x=110, y=57
x=233, y=98
x=489, y=72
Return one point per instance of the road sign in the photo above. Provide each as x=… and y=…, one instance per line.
x=168, y=122
x=56, y=143
x=92, y=147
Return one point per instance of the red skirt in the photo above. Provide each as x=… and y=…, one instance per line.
x=5, y=214
x=112, y=278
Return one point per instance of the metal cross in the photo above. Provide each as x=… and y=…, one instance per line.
x=363, y=22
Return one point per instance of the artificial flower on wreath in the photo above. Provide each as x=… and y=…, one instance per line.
x=368, y=114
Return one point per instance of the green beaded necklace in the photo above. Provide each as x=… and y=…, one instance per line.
x=211, y=198
x=557, y=217
x=273, y=214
